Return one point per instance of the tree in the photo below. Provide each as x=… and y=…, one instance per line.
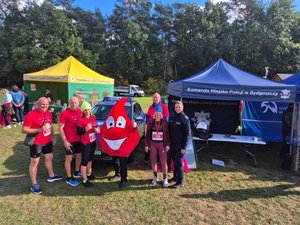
x=281, y=50
x=129, y=40
x=35, y=38
x=248, y=34
x=162, y=40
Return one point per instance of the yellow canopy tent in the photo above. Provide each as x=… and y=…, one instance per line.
x=67, y=78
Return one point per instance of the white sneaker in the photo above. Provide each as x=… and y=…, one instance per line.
x=165, y=183
x=154, y=180
x=7, y=127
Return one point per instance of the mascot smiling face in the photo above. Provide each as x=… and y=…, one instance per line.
x=118, y=137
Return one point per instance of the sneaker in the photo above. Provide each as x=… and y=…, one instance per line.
x=87, y=183
x=115, y=177
x=165, y=183
x=177, y=186
x=36, y=189
x=73, y=182
x=91, y=177
x=7, y=127
x=19, y=123
x=154, y=180
x=54, y=178
x=77, y=174
x=122, y=184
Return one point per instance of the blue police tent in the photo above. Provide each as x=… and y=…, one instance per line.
x=264, y=119
x=222, y=81
x=294, y=80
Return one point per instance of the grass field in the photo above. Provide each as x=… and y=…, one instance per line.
x=235, y=194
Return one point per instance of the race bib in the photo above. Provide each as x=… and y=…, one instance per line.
x=157, y=136
x=47, y=131
x=92, y=137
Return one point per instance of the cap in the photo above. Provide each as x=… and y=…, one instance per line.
x=158, y=108
x=85, y=106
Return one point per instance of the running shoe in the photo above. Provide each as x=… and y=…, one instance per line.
x=73, y=182
x=56, y=177
x=36, y=189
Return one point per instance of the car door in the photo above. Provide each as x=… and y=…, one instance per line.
x=139, y=117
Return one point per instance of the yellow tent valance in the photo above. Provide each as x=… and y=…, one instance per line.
x=68, y=71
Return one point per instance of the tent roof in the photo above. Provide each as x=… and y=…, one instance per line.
x=294, y=80
x=70, y=70
x=222, y=81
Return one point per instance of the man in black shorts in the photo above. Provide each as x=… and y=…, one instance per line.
x=68, y=131
x=39, y=121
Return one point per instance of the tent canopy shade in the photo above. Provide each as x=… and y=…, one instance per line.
x=222, y=81
x=68, y=71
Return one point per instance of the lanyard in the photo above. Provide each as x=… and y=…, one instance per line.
x=157, y=125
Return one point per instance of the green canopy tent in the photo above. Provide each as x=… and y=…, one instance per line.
x=65, y=79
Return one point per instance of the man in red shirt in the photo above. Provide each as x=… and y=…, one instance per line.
x=157, y=101
x=39, y=121
x=68, y=132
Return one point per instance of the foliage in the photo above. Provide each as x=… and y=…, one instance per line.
x=141, y=40
x=152, y=85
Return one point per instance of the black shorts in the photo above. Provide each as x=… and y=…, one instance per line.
x=76, y=148
x=87, y=153
x=36, y=150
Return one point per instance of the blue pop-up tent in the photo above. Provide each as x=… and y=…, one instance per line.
x=294, y=80
x=264, y=118
x=222, y=81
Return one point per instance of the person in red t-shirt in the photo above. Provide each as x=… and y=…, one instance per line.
x=87, y=128
x=67, y=127
x=39, y=121
x=150, y=114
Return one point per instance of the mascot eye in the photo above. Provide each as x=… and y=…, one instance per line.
x=110, y=122
x=121, y=122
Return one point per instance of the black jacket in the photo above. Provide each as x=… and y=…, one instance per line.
x=179, y=128
x=287, y=118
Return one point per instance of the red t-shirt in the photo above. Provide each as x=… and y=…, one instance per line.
x=90, y=135
x=70, y=119
x=35, y=119
x=165, y=111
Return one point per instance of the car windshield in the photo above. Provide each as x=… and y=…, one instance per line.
x=138, y=88
x=101, y=111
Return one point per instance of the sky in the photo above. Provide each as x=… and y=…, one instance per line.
x=106, y=6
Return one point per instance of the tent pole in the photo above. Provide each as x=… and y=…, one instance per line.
x=292, y=139
x=296, y=154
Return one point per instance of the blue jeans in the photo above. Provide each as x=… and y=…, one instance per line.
x=19, y=114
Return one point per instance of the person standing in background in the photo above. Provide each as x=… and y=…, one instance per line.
x=17, y=103
x=6, y=107
x=49, y=94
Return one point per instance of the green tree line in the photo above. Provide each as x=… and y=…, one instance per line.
x=149, y=44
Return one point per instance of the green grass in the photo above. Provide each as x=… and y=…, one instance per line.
x=235, y=194
x=145, y=102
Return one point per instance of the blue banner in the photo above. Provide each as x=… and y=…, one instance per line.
x=263, y=119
